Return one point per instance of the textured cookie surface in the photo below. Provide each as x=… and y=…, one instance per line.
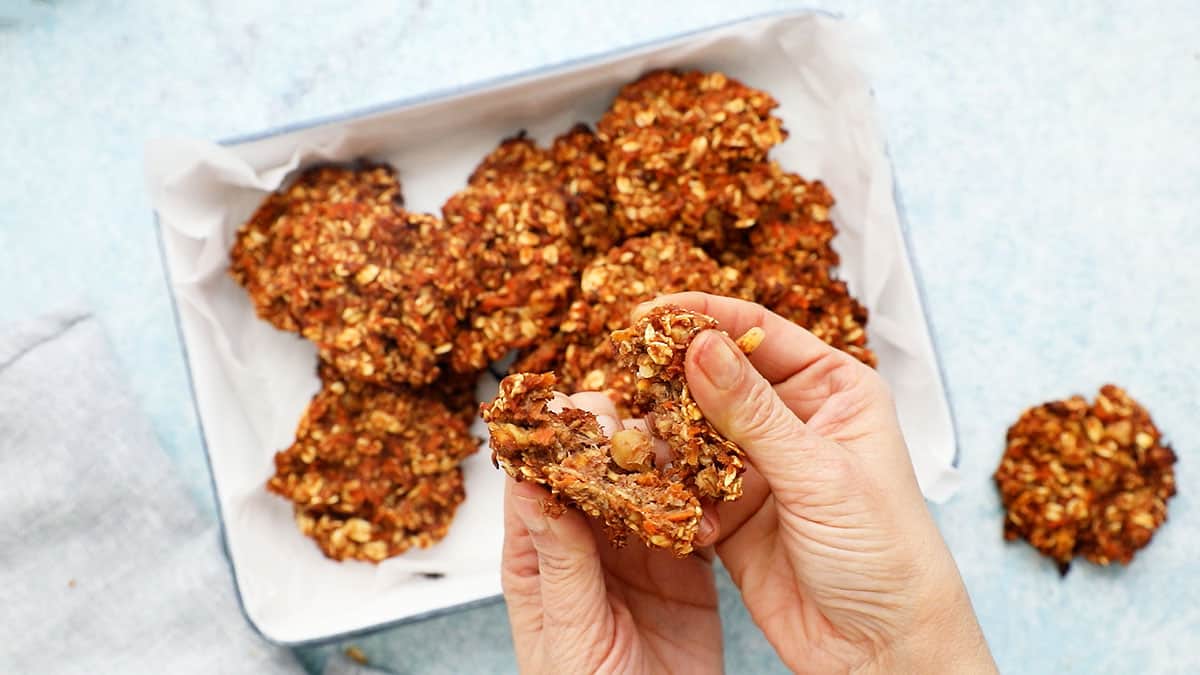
x=1084, y=479
x=373, y=470
x=379, y=290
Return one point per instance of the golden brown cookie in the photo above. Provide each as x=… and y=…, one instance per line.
x=676, y=142
x=521, y=252
x=1086, y=479
x=381, y=291
x=378, y=464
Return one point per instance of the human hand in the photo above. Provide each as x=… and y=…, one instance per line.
x=577, y=605
x=838, y=560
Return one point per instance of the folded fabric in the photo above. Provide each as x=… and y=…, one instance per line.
x=106, y=565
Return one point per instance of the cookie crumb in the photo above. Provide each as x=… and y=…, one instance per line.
x=355, y=654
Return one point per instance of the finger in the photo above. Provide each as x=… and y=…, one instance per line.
x=600, y=405
x=570, y=576
x=706, y=553
x=741, y=549
x=710, y=527
x=559, y=402
x=597, y=402
x=806, y=371
x=519, y=575
x=787, y=348
x=745, y=408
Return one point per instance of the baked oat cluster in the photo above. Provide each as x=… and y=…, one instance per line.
x=374, y=470
x=1091, y=480
x=544, y=251
x=522, y=253
x=336, y=258
x=615, y=480
x=679, y=148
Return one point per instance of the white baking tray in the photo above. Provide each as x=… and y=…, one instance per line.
x=251, y=382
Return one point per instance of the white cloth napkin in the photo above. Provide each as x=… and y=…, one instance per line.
x=106, y=565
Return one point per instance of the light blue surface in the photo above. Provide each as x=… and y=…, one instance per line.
x=1049, y=161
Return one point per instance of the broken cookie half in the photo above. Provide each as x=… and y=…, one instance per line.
x=615, y=480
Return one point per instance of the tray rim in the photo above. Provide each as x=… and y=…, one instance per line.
x=475, y=87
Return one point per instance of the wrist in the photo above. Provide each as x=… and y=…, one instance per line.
x=944, y=638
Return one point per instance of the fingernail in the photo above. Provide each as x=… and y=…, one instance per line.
x=704, y=531
x=559, y=403
x=532, y=515
x=719, y=361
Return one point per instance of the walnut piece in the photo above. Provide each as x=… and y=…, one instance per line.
x=633, y=450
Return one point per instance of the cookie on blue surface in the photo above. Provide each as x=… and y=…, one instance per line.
x=1091, y=480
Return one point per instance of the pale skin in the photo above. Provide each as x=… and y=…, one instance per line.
x=832, y=547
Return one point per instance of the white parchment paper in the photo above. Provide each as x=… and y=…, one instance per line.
x=252, y=382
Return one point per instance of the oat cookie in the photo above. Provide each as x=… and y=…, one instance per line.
x=616, y=480
x=379, y=464
x=521, y=252
x=381, y=291
x=675, y=144
x=261, y=255
x=1086, y=479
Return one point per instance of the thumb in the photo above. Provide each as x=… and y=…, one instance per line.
x=742, y=405
x=570, y=576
